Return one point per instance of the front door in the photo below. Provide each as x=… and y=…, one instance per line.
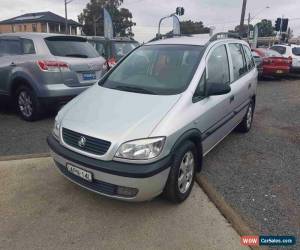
x=214, y=110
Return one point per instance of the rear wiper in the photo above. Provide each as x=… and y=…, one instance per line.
x=77, y=55
x=135, y=89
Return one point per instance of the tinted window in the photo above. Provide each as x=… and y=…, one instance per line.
x=237, y=60
x=296, y=51
x=99, y=46
x=28, y=46
x=70, y=47
x=123, y=48
x=10, y=47
x=249, y=59
x=156, y=69
x=279, y=49
x=218, y=66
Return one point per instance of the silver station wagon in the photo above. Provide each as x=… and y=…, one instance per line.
x=144, y=129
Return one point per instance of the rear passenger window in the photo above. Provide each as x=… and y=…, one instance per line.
x=239, y=67
x=28, y=46
x=249, y=59
x=218, y=66
x=10, y=47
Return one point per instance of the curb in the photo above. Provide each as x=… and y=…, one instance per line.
x=226, y=210
x=23, y=157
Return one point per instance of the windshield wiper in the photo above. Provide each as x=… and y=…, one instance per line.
x=77, y=55
x=135, y=89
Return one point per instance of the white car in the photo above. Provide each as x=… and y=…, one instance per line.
x=290, y=51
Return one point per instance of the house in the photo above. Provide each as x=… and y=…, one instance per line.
x=46, y=22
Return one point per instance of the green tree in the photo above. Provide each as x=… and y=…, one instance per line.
x=245, y=30
x=93, y=13
x=190, y=27
x=265, y=28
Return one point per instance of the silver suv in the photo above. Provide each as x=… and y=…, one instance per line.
x=145, y=128
x=41, y=70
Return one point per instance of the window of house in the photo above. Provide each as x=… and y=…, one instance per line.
x=238, y=63
x=34, y=27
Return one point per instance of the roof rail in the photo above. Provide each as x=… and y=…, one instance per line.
x=224, y=35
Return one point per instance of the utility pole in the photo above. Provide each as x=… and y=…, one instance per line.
x=243, y=17
x=66, y=15
x=248, y=31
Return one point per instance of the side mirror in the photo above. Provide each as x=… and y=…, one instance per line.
x=218, y=89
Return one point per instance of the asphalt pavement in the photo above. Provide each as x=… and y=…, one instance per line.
x=258, y=173
x=40, y=209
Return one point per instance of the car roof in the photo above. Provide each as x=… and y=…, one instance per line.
x=117, y=39
x=33, y=35
x=201, y=39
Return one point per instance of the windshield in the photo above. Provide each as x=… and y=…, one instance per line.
x=123, y=48
x=156, y=69
x=70, y=47
x=296, y=51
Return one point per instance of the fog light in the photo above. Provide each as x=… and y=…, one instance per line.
x=127, y=191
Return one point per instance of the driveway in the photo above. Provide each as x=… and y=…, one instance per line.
x=42, y=210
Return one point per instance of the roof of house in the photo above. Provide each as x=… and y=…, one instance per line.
x=39, y=17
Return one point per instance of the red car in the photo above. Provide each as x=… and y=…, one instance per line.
x=274, y=64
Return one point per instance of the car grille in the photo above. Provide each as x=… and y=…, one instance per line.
x=92, y=145
x=96, y=185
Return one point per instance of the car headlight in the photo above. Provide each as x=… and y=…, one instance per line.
x=56, y=129
x=142, y=149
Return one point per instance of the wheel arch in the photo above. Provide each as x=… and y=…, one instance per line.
x=18, y=81
x=193, y=135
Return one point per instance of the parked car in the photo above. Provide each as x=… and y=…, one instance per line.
x=258, y=62
x=292, y=52
x=144, y=128
x=113, y=49
x=41, y=70
x=273, y=63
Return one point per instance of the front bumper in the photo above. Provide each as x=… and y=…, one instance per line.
x=148, y=179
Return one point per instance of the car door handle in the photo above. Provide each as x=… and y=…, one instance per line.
x=13, y=64
x=249, y=86
x=231, y=99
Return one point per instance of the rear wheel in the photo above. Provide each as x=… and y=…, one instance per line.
x=182, y=173
x=246, y=123
x=28, y=104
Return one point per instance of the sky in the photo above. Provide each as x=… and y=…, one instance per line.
x=222, y=14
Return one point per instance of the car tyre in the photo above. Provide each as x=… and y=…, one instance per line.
x=182, y=174
x=27, y=104
x=246, y=124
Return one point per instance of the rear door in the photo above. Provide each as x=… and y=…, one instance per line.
x=242, y=81
x=85, y=63
x=10, y=50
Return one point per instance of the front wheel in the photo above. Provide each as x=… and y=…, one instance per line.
x=182, y=174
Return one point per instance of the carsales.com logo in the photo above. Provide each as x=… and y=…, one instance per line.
x=253, y=240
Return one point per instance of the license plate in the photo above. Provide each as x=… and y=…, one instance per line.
x=89, y=76
x=279, y=71
x=80, y=173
